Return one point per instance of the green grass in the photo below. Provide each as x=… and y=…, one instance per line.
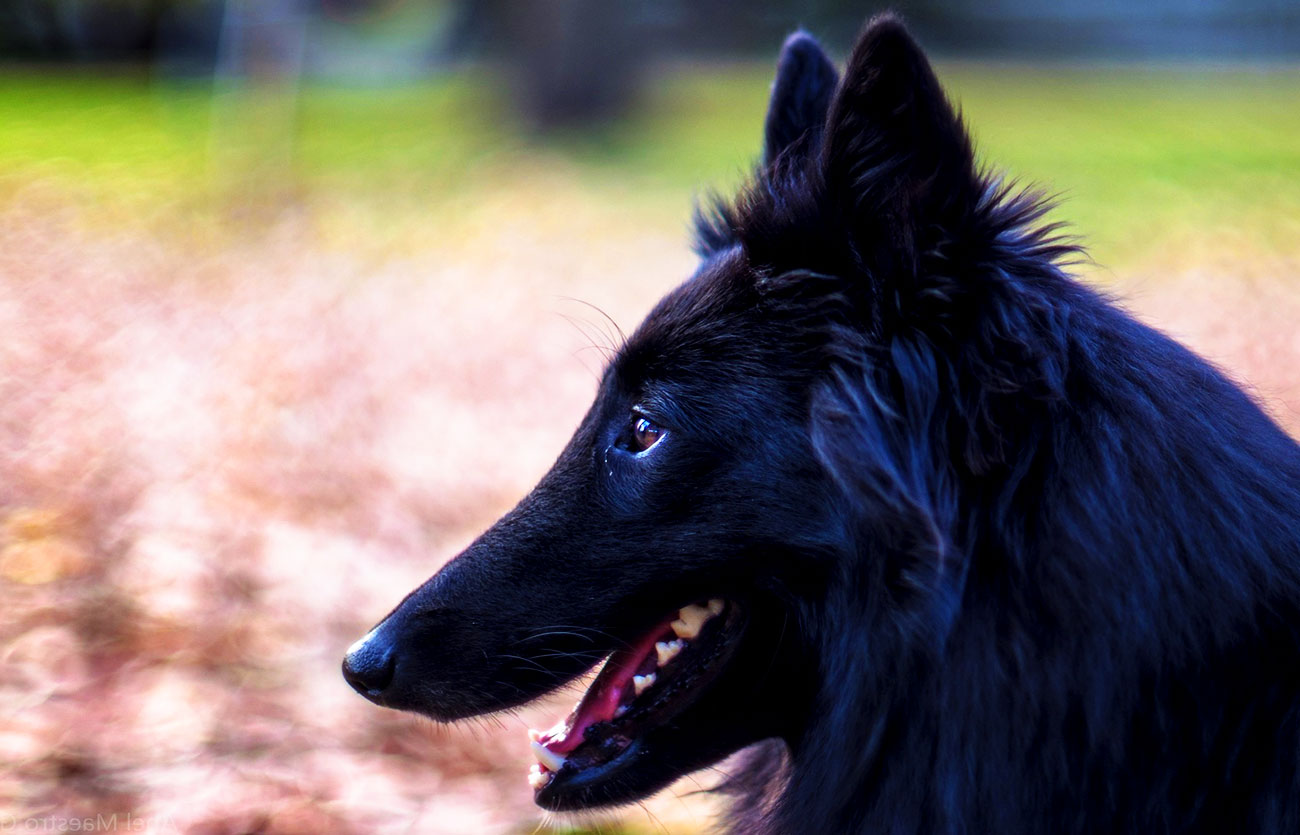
x=1151, y=157
x=1144, y=158
x=1139, y=157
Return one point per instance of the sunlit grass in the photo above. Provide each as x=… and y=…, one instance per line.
x=1143, y=157
x=1152, y=158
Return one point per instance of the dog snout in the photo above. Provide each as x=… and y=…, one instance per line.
x=451, y=648
x=369, y=666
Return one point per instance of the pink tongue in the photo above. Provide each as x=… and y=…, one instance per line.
x=605, y=694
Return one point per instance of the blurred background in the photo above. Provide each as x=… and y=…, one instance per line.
x=297, y=296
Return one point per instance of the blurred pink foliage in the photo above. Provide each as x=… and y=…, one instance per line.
x=223, y=462
x=220, y=466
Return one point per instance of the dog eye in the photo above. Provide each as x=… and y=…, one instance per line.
x=644, y=434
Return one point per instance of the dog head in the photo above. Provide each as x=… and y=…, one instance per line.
x=667, y=538
x=781, y=414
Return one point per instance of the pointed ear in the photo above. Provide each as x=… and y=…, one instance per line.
x=896, y=159
x=801, y=97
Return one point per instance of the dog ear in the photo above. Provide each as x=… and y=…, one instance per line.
x=801, y=97
x=796, y=119
x=896, y=160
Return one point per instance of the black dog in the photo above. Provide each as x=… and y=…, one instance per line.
x=880, y=482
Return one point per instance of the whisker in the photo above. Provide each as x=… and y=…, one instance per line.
x=573, y=631
x=622, y=338
x=525, y=660
x=554, y=632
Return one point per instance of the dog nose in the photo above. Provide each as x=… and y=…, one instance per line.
x=368, y=667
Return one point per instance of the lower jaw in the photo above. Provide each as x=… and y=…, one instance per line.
x=589, y=774
x=589, y=787
x=762, y=688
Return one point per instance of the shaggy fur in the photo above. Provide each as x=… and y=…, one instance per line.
x=1012, y=562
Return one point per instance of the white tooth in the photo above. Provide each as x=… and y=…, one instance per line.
x=715, y=606
x=667, y=650
x=685, y=629
x=538, y=778
x=546, y=756
x=640, y=683
x=555, y=733
x=689, y=620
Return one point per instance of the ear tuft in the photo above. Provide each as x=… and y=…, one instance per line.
x=801, y=96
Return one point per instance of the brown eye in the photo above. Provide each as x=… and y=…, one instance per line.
x=645, y=434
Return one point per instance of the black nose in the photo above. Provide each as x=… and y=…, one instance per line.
x=369, y=667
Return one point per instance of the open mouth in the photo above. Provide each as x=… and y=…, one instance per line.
x=641, y=687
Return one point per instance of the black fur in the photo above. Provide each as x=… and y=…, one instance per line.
x=801, y=95
x=1010, y=561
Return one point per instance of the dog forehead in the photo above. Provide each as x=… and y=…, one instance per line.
x=702, y=316
x=720, y=291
